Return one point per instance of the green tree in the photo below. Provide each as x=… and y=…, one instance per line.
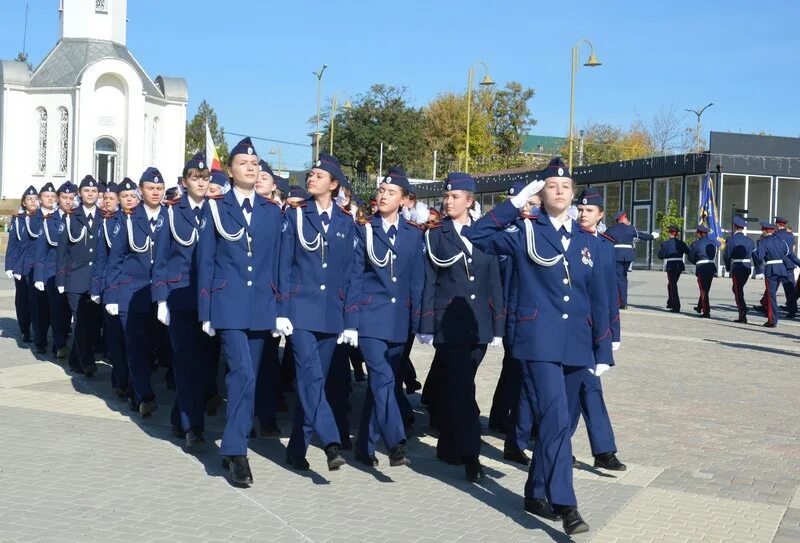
x=671, y=218
x=446, y=125
x=607, y=143
x=196, y=132
x=511, y=118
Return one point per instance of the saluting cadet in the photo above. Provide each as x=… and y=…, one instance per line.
x=19, y=254
x=624, y=235
x=389, y=266
x=737, y=256
x=769, y=256
x=591, y=403
x=317, y=289
x=46, y=265
x=561, y=328
x=129, y=278
x=702, y=253
x=37, y=299
x=788, y=281
x=672, y=252
x=463, y=312
x=126, y=199
x=237, y=285
x=174, y=290
x=77, y=244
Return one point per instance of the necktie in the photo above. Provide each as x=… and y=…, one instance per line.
x=91, y=219
x=197, y=212
x=325, y=218
x=246, y=206
x=564, y=233
x=152, y=224
x=392, y=232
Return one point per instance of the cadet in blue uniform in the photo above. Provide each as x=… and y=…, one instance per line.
x=389, y=274
x=591, y=403
x=129, y=278
x=237, y=286
x=316, y=287
x=737, y=256
x=462, y=313
x=175, y=292
x=769, y=257
x=788, y=281
x=561, y=329
x=624, y=235
x=77, y=244
x=46, y=265
x=37, y=299
x=702, y=253
x=672, y=252
x=19, y=254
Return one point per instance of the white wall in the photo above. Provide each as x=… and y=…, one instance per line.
x=80, y=20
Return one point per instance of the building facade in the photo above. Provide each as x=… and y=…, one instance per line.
x=88, y=107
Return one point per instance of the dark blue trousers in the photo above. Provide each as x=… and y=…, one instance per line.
x=789, y=291
x=40, y=312
x=592, y=406
x=87, y=317
x=22, y=305
x=115, y=346
x=313, y=352
x=739, y=276
x=267, y=382
x=553, y=390
x=139, y=344
x=771, y=298
x=242, y=350
x=673, y=298
x=380, y=417
x=338, y=386
x=520, y=420
x=59, y=314
x=622, y=281
x=190, y=361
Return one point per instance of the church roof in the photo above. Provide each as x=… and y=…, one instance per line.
x=65, y=64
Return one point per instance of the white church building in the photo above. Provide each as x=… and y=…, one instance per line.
x=88, y=107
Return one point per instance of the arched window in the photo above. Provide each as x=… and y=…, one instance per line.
x=41, y=159
x=154, y=142
x=63, y=146
x=105, y=160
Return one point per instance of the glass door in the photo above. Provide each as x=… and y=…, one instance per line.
x=641, y=221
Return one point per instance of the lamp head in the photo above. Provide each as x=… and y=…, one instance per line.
x=593, y=62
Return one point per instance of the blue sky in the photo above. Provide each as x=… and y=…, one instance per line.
x=252, y=60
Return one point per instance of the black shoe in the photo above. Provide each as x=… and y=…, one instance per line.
x=678, y=310
x=791, y=315
x=27, y=339
x=741, y=320
x=705, y=316
x=623, y=307
x=760, y=308
x=238, y=470
x=147, y=408
x=370, y=461
x=541, y=508
x=783, y=307
x=398, y=456
x=572, y=520
x=39, y=349
x=516, y=455
x=413, y=386
x=297, y=462
x=90, y=370
x=335, y=460
x=120, y=392
x=359, y=376
x=177, y=432
x=697, y=309
x=473, y=470
x=132, y=404
x=769, y=324
x=62, y=353
x=574, y=462
x=609, y=461
x=193, y=440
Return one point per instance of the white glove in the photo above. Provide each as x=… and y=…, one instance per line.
x=283, y=327
x=10, y=274
x=425, y=339
x=599, y=369
x=162, y=313
x=60, y=290
x=496, y=342
x=572, y=213
x=348, y=337
x=18, y=277
x=615, y=345
x=112, y=309
x=208, y=330
x=95, y=298
x=727, y=274
x=655, y=233
x=519, y=200
x=39, y=285
x=759, y=276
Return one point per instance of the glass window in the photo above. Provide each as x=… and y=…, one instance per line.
x=788, y=200
x=612, y=198
x=691, y=208
x=660, y=196
x=759, y=192
x=673, y=191
x=627, y=197
x=63, y=148
x=642, y=193
x=732, y=197
x=41, y=162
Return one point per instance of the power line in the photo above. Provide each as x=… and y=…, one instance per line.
x=269, y=139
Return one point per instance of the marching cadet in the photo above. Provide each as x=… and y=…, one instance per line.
x=37, y=299
x=46, y=265
x=672, y=252
x=769, y=256
x=18, y=254
x=219, y=183
x=126, y=199
x=591, y=403
x=389, y=271
x=702, y=253
x=625, y=251
x=463, y=312
x=561, y=328
x=237, y=294
x=175, y=292
x=76, y=257
x=129, y=276
x=737, y=256
x=788, y=281
x=317, y=290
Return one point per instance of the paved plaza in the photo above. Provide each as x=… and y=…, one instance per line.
x=705, y=413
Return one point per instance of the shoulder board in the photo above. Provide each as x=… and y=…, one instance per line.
x=174, y=201
x=346, y=211
x=273, y=202
x=69, y=211
x=216, y=197
x=530, y=217
x=297, y=204
x=609, y=238
x=415, y=225
x=109, y=214
x=53, y=215
x=129, y=211
x=433, y=224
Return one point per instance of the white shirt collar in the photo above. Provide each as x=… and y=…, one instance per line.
x=386, y=224
x=151, y=214
x=329, y=210
x=458, y=226
x=558, y=224
x=87, y=210
x=47, y=212
x=195, y=205
x=241, y=197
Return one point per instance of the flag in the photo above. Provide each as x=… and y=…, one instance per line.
x=212, y=157
x=708, y=212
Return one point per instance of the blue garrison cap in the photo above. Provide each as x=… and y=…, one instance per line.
x=68, y=187
x=330, y=164
x=219, y=178
x=702, y=228
x=298, y=192
x=127, y=184
x=397, y=176
x=282, y=183
x=102, y=187
x=87, y=181
x=780, y=220
x=619, y=214
x=198, y=161
x=31, y=191
x=516, y=187
x=48, y=187
x=151, y=175
x=765, y=225
x=556, y=168
x=739, y=221
x=459, y=181
x=264, y=167
x=244, y=147
x=591, y=197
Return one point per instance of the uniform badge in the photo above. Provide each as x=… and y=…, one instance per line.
x=249, y=150
x=388, y=179
x=511, y=228
x=560, y=172
x=284, y=226
x=318, y=164
x=60, y=228
x=586, y=257
x=117, y=228
x=202, y=224
x=155, y=179
x=202, y=166
x=355, y=243
x=511, y=191
x=584, y=201
x=159, y=223
x=449, y=186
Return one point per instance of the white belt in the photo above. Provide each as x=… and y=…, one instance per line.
x=676, y=259
x=741, y=261
x=623, y=246
x=704, y=262
x=774, y=262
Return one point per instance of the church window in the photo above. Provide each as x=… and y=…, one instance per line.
x=63, y=147
x=41, y=161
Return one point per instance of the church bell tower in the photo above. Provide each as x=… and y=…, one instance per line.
x=104, y=20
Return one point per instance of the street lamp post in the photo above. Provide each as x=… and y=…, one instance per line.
x=347, y=106
x=319, y=97
x=697, y=131
x=487, y=82
x=591, y=63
